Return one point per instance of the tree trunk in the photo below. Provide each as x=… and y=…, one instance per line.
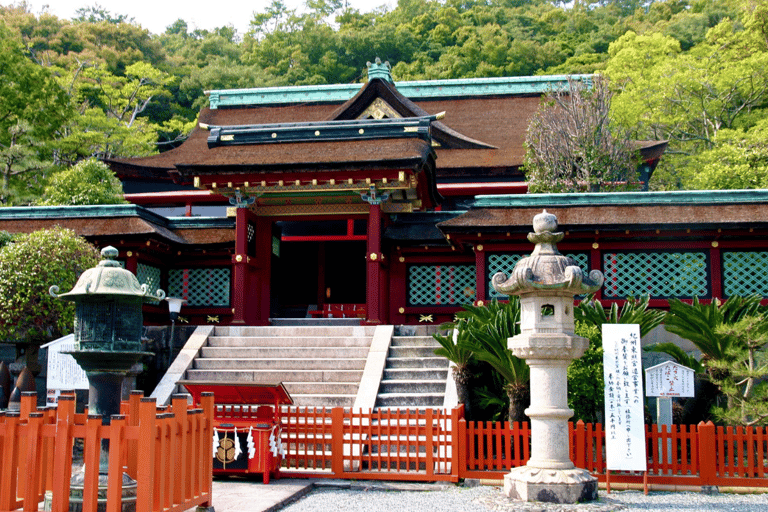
x=461, y=378
x=519, y=398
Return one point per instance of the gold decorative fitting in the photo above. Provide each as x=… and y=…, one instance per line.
x=384, y=181
x=280, y=183
x=751, y=230
x=426, y=318
x=480, y=303
x=317, y=133
x=314, y=182
x=183, y=320
x=479, y=248
x=410, y=129
x=229, y=184
x=595, y=245
x=178, y=253
x=129, y=254
x=447, y=237
x=479, y=235
x=227, y=138
x=247, y=184
x=196, y=181
x=688, y=230
x=715, y=244
x=274, y=135
x=233, y=311
x=239, y=258
x=361, y=131
x=657, y=231
x=203, y=126
x=298, y=182
x=440, y=115
x=374, y=256
x=351, y=181
x=332, y=181
x=263, y=183
x=402, y=259
x=626, y=231
x=367, y=181
x=213, y=319
x=509, y=234
x=213, y=185
x=597, y=232
x=149, y=243
x=401, y=311
x=401, y=176
x=719, y=230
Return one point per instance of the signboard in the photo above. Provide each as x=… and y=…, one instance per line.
x=669, y=379
x=624, y=418
x=63, y=371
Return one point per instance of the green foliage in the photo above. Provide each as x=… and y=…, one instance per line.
x=32, y=108
x=741, y=376
x=5, y=238
x=29, y=266
x=590, y=311
x=699, y=322
x=585, y=377
x=88, y=182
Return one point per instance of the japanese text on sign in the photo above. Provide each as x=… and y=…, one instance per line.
x=669, y=379
x=625, y=429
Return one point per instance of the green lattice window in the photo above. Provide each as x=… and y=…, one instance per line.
x=506, y=263
x=658, y=274
x=150, y=276
x=744, y=273
x=200, y=286
x=441, y=285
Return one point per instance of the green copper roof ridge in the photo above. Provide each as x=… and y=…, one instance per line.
x=414, y=90
x=199, y=222
x=676, y=197
x=100, y=210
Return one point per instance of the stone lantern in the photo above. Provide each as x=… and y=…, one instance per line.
x=546, y=282
x=108, y=327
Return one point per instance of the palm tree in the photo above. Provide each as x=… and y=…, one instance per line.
x=484, y=330
x=453, y=347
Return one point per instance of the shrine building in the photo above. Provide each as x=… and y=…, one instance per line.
x=394, y=203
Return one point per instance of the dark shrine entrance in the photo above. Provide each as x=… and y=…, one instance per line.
x=318, y=262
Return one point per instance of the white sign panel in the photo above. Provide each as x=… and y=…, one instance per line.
x=624, y=419
x=669, y=379
x=63, y=370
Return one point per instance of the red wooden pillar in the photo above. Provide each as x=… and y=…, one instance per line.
x=481, y=279
x=131, y=262
x=261, y=275
x=251, y=269
x=375, y=303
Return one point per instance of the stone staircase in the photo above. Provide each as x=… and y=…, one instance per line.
x=319, y=365
x=414, y=377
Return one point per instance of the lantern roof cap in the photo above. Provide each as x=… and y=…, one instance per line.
x=106, y=279
x=546, y=268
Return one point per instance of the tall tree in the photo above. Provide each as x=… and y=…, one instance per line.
x=571, y=144
x=32, y=108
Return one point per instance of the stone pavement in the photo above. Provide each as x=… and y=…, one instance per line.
x=242, y=494
x=234, y=494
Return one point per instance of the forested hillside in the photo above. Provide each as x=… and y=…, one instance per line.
x=693, y=72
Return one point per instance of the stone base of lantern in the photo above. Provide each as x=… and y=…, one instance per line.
x=550, y=485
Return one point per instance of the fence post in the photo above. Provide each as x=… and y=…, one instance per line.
x=8, y=473
x=145, y=472
x=581, y=445
x=459, y=456
x=707, y=455
x=182, y=444
x=115, y=463
x=62, y=453
x=31, y=470
x=337, y=441
x=207, y=403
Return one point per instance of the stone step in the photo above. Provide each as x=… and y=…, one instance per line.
x=413, y=400
x=432, y=361
x=308, y=330
x=315, y=388
x=313, y=375
x=414, y=341
x=323, y=400
x=412, y=351
x=412, y=386
x=279, y=364
x=288, y=341
x=416, y=373
x=306, y=353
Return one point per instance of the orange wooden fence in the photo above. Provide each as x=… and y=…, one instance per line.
x=166, y=450
x=434, y=445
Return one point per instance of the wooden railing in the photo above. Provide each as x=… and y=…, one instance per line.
x=434, y=445
x=166, y=451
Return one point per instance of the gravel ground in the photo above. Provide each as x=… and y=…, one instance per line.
x=442, y=498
